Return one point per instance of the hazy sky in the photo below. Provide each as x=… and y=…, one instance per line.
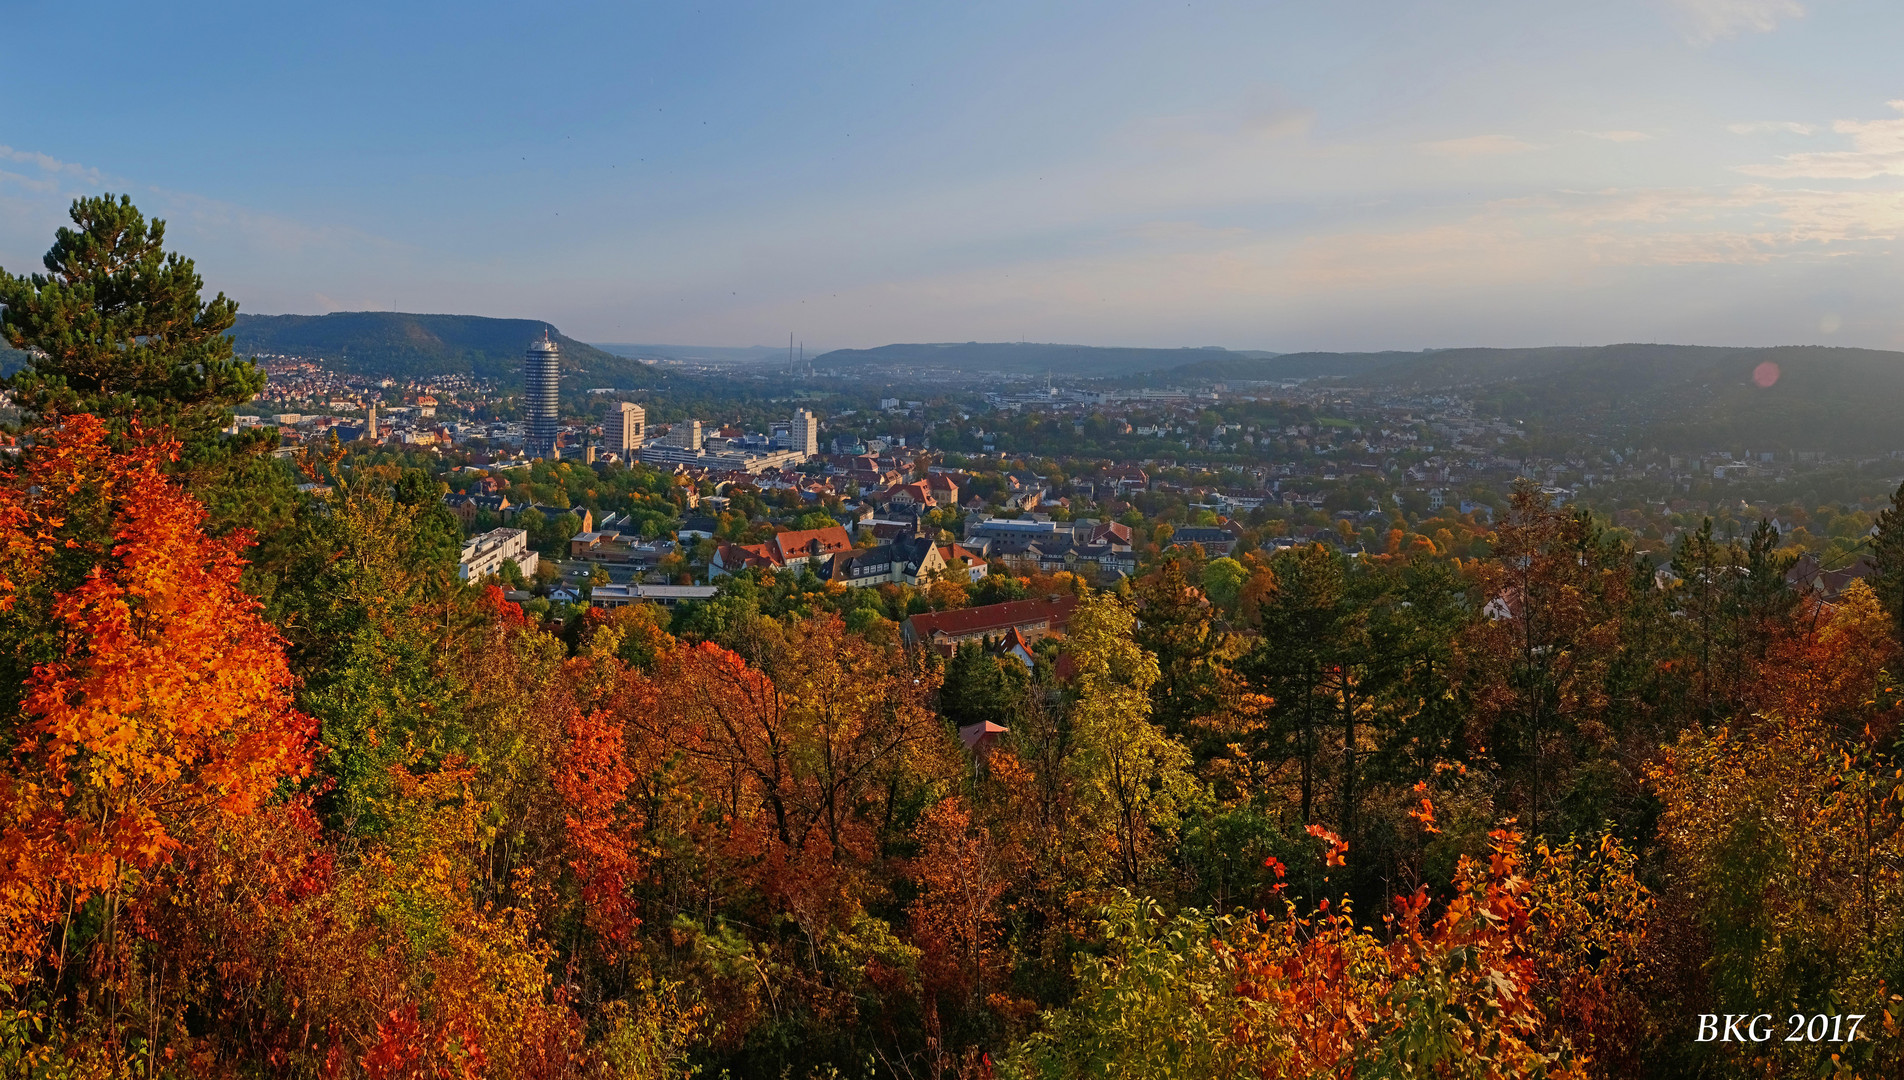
x=1347, y=174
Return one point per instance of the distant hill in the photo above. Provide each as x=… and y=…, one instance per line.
x=1682, y=396
x=1672, y=396
x=705, y=354
x=403, y=345
x=1245, y=366
x=1025, y=358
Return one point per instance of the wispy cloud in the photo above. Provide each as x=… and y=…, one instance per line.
x=33, y=198
x=1189, y=276
x=1479, y=146
x=1877, y=150
x=1764, y=127
x=45, y=185
x=270, y=232
x=1619, y=136
x=1747, y=225
x=50, y=165
x=236, y=246
x=1709, y=20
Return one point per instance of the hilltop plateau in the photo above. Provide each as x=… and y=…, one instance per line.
x=401, y=344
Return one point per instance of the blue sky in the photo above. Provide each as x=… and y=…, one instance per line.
x=1354, y=174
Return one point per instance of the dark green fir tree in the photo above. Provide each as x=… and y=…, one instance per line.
x=117, y=327
x=1887, y=552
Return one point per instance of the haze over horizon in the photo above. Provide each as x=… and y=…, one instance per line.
x=1366, y=176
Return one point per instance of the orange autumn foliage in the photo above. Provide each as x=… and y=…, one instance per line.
x=593, y=780
x=168, y=712
x=1829, y=670
x=1427, y=995
x=788, y=753
x=956, y=921
x=1290, y=995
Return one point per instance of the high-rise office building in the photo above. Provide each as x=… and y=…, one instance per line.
x=626, y=427
x=685, y=435
x=805, y=432
x=541, y=397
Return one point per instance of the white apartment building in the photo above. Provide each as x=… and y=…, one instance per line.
x=804, y=433
x=484, y=555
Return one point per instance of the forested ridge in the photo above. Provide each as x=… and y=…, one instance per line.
x=284, y=798
x=399, y=344
x=1678, y=397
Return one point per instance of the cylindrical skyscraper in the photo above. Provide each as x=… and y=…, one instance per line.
x=541, y=397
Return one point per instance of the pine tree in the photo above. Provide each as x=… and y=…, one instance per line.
x=117, y=328
x=1887, y=551
x=979, y=687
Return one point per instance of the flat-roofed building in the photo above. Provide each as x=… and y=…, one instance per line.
x=614, y=596
x=484, y=554
x=626, y=427
x=805, y=433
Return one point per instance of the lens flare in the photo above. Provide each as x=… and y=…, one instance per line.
x=1765, y=374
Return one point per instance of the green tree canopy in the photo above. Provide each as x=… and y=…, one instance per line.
x=979, y=687
x=116, y=327
x=1223, y=580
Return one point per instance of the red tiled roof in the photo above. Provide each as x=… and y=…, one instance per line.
x=992, y=618
x=733, y=556
x=797, y=543
x=980, y=736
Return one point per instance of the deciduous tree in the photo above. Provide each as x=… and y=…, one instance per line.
x=167, y=711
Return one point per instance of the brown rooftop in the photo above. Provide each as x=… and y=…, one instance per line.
x=793, y=544
x=994, y=618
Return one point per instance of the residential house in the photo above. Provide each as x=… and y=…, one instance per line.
x=914, y=498
x=975, y=566
x=1216, y=542
x=1807, y=573
x=1092, y=560
x=1098, y=551
x=944, y=487
x=908, y=560
x=1125, y=479
x=982, y=737
x=1014, y=645
x=790, y=550
x=795, y=548
x=466, y=507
